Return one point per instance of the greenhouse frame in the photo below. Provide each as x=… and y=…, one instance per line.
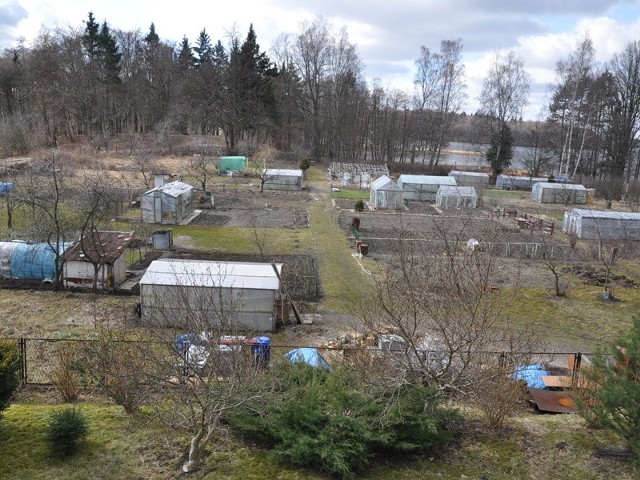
x=517, y=182
x=386, y=194
x=563, y=193
x=470, y=179
x=169, y=204
x=449, y=197
x=423, y=187
x=602, y=225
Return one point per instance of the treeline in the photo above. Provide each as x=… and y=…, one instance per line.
x=308, y=96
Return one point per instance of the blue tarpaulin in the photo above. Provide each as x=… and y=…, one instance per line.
x=34, y=260
x=310, y=356
x=532, y=375
x=5, y=187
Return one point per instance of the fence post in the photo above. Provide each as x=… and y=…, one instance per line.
x=22, y=344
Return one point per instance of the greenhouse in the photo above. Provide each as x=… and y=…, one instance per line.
x=232, y=163
x=423, y=187
x=168, y=204
x=602, y=225
x=563, y=193
x=456, y=197
x=385, y=193
x=517, y=182
x=470, y=179
x=281, y=179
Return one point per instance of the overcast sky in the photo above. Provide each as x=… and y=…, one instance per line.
x=388, y=33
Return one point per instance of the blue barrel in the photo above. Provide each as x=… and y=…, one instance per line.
x=261, y=351
x=183, y=342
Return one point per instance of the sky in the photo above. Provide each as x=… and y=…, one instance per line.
x=388, y=33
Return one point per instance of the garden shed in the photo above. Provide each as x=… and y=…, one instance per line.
x=470, y=179
x=232, y=163
x=385, y=193
x=456, y=197
x=35, y=261
x=168, y=204
x=177, y=292
x=517, y=182
x=423, y=187
x=564, y=193
x=281, y=179
x=104, y=249
x=602, y=225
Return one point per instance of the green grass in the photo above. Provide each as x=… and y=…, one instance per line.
x=496, y=193
x=351, y=194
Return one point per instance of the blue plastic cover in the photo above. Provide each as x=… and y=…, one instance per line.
x=532, y=375
x=5, y=187
x=34, y=260
x=310, y=356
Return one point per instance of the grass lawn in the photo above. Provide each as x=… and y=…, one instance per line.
x=351, y=194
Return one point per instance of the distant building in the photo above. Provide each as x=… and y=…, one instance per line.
x=104, y=249
x=168, y=204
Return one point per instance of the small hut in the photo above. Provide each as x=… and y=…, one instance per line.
x=172, y=290
x=168, y=204
x=281, y=179
x=517, y=182
x=423, y=187
x=456, y=197
x=602, y=225
x=564, y=193
x=470, y=179
x=232, y=163
x=385, y=193
x=104, y=250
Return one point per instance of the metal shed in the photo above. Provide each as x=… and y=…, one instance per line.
x=107, y=250
x=470, y=179
x=456, y=197
x=281, y=179
x=188, y=293
x=168, y=204
x=517, y=182
x=602, y=225
x=564, y=193
x=385, y=193
x=423, y=187
x=235, y=163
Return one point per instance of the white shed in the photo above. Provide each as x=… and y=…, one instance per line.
x=602, y=225
x=188, y=293
x=423, y=187
x=385, y=193
x=281, y=179
x=517, y=182
x=104, y=249
x=168, y=204
x=456, y=197
x=564, y=193
x=470, y=179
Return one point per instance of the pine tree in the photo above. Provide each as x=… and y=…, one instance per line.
x=91, y=37
x=185, y=55
x=152, y=37
x=203, y=48
x=110, y=55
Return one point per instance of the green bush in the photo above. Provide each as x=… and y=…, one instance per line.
x=304, y=165
x=10, y=364
x=359, y=206
x=66, y=431
x=323, y=420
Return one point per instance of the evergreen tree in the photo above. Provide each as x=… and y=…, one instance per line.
x=110, y=55
x=203, y=48
x=91, y=37
x=185, y=55
x=152, y=37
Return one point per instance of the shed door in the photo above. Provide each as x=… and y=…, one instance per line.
x=157, y=210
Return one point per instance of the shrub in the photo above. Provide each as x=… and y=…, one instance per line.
x=315, y=418
x=66, y=431
x=66, y=374
x=304, y=165
x=359, y=206
x=9, y=367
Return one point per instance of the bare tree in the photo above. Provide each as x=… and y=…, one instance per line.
x=505, y=92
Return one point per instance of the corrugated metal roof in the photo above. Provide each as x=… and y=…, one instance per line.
x=385, y=182
x=174, y=189
x=427, y=179
x=281, y=172
x=606, y=214
x=200, y=273
x=106, y=247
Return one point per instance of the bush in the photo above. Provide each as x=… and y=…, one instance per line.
x=66, y=432
x=9, y=367
x=66, y=373
x=319, y=419
x=359, y=206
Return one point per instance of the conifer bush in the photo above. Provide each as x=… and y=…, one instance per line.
x=66, y=432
